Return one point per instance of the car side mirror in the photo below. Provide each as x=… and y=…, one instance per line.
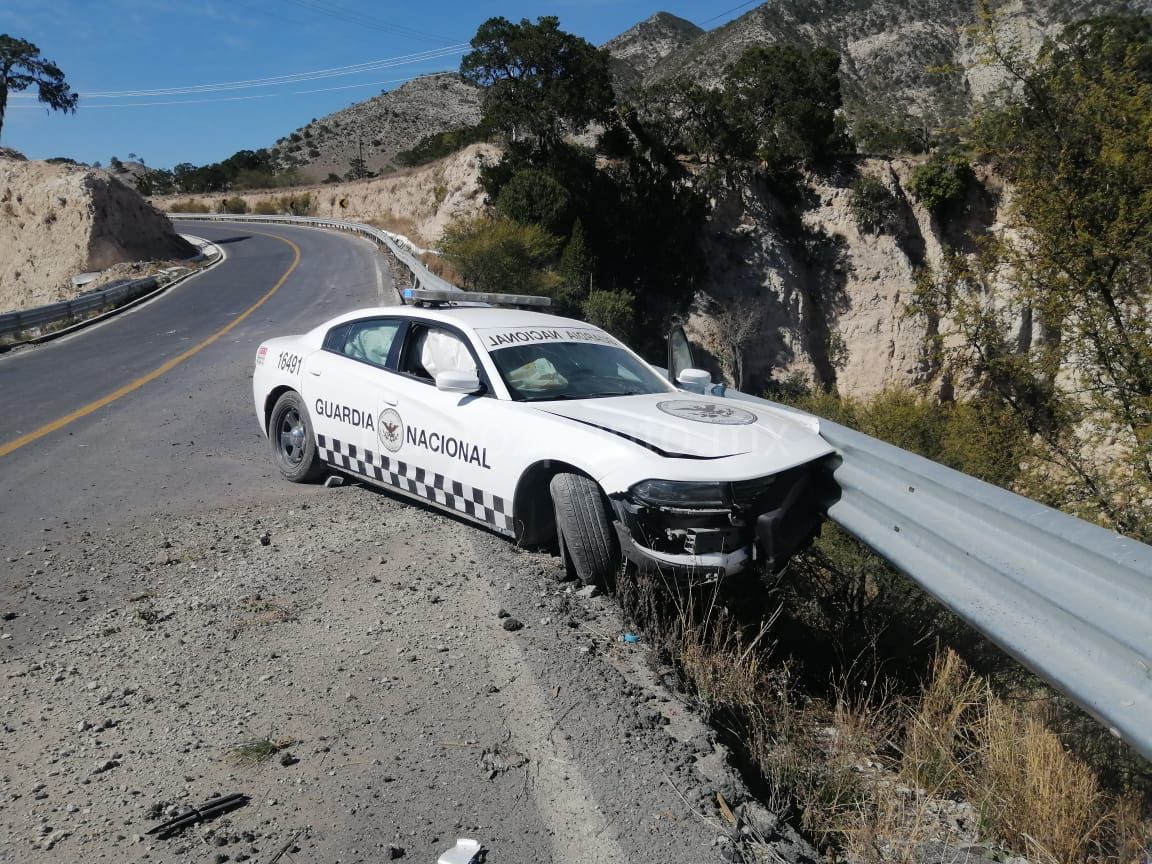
x=694, y=380
x=454, y=381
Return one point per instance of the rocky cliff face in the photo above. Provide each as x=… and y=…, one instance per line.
x=638, y=50
x=824, y=298
x=916, y=56
x=60, y=220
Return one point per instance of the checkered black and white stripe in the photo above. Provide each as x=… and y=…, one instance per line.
x=473, y=503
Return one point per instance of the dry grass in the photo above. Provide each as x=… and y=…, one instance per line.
x=268, y=611
x=188, y=205
x=939, y=732
x=1035, y=795
x=809, y=766
x=256, y=751
x=885, y=776
x=262, y=613
x=442, y=268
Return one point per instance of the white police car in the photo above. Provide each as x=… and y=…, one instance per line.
x=545, y=429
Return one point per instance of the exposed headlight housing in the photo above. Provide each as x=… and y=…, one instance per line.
x=679, y=493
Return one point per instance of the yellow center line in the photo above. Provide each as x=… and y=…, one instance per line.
x=60, y=423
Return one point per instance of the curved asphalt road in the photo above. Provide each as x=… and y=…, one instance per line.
x=187, y=435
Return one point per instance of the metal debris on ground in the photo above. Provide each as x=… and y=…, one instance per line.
x=464, y=852
x=207, y=810
x=333, y=481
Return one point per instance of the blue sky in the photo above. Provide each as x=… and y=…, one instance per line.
x=189, y=49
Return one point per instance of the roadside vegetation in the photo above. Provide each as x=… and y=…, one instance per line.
x=291, y=204
x=876, y=720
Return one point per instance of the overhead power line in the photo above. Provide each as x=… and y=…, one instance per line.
x=294, y=78
x=332, y=10
x=730, y=11
x=233, y=98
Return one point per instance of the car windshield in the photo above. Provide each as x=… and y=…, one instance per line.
x=573, y=370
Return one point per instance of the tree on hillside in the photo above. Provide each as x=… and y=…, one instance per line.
x=539, y=81
x=1074, y=146
x=785, y=98
x=777, y=110
x=21, y=67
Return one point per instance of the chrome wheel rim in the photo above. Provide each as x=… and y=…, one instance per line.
x=292, y=436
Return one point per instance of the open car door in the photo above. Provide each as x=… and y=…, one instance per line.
x=682, y=369
x=679, y=353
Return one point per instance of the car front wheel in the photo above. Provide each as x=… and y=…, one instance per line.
x=293, y=443
x=588, y=544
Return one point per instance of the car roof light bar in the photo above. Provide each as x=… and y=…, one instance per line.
x=429, y=297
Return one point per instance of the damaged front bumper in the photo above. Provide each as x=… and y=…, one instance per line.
x=766, y=519
x=709, y=565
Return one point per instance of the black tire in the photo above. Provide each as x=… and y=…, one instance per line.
x=293, y=441
x=562, y=547
x=588, y=543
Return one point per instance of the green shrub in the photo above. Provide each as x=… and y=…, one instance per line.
x=265, y=207
x=494, y=253
x=532, y=196
x=233, y=204
x=612, y=311
x=941, y=183
x=874, y=206
x=438, y=146
x=898, y=132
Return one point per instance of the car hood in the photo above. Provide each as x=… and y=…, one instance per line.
x=682, y=425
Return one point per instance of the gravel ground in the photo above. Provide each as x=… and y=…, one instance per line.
x=414, y=680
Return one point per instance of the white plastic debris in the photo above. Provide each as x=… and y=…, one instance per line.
x=464, y=852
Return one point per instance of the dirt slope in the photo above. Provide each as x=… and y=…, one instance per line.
x=60, y=220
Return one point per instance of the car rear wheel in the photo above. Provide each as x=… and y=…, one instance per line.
x=292, y=440
x=588, y=544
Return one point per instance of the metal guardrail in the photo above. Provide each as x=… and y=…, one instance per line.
x=1069, y=600
x=29, y=319
x=422, y=277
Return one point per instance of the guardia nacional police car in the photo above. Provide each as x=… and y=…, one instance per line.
x=544, y=429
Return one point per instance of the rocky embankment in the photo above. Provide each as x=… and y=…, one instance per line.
x=832, y=301
x=57, y=221
x=418, y=202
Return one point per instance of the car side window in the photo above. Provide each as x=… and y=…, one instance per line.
x=431, y=350
x=369, y=341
